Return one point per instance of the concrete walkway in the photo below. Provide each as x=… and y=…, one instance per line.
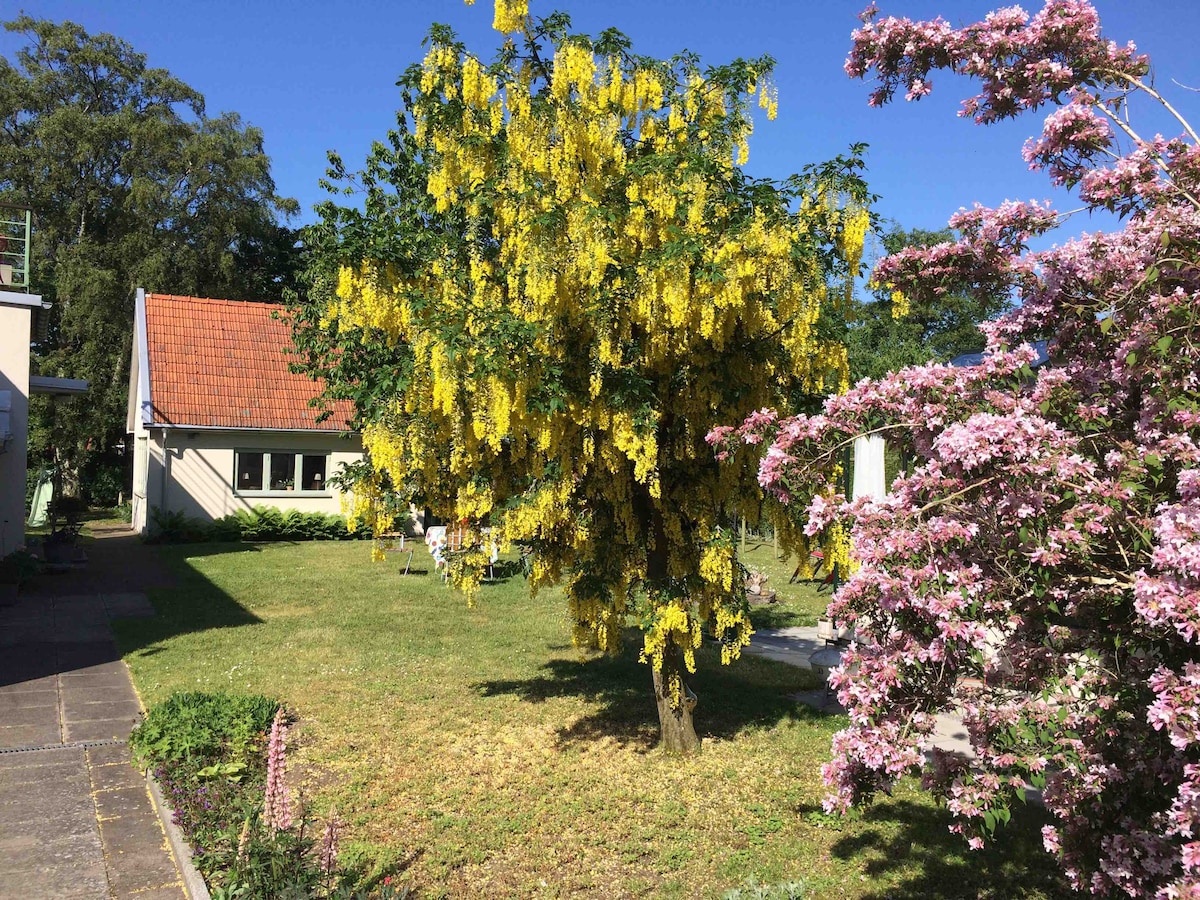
x=796, y=644
x=76, y=819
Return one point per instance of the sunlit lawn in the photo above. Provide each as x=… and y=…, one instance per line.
x=477, y=754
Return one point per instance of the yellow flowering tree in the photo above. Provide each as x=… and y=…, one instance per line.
x=559, y=281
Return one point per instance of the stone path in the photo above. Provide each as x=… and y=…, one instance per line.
x=796, y=644
x=76, y=819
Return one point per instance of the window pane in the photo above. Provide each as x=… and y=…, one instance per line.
x=249, y=472
x=283, y=470
x=313, y=473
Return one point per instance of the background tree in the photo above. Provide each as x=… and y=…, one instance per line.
x=573, y=281
x=887, y=333
x=131, y=185
x=1038, y=567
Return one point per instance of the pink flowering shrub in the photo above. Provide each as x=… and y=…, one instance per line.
x=1037, y=564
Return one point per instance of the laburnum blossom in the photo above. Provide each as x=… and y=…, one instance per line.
x=1035, y=564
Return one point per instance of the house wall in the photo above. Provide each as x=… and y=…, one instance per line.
x=14, y=378
x=193, y=471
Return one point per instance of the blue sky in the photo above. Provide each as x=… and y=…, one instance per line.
x=319, y=76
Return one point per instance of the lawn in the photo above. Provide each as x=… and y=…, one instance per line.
x=474, y=752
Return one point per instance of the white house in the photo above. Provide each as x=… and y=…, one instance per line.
x=17, y=310
x=218, y=423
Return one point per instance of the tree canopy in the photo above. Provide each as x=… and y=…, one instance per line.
x=560, y=280
x=131, y=184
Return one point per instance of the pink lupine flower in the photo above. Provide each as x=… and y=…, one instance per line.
x=328, y=852
x=277, y=802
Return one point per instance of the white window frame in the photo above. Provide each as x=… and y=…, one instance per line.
x=298, y=456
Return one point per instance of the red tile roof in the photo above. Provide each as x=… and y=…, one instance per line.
x=223, y=364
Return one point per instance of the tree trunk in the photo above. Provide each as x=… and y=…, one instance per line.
x=675, y=722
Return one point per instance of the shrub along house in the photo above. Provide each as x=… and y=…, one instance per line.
x=218, y=423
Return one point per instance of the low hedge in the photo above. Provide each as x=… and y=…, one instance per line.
x=262, y=523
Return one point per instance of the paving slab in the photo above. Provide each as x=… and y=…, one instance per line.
x=115, y=778
x=84, y=882
x=31, y=758
x=123, y=802
x=132, y=873
x=44, y=683
x=75, y=710
x=32, y=715
x=97, y=730
x=14, y=700
x=17, y=737
x=60, y=800
x=34, y=775
x=109, y=755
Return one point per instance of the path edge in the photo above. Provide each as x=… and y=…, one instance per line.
x=193, y=881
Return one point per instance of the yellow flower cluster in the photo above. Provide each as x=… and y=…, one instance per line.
x=674, y=624
x=365, y=508
x=510, y=15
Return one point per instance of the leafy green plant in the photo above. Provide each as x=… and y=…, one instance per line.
x=261, y=523
x=210, y=754
x=752, y=889
x=18, y=567
x=203, y=727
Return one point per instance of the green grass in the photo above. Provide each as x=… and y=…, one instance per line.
x=475, y=753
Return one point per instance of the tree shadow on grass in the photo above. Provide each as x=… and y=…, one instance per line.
x=908, y=847
x=751, y=693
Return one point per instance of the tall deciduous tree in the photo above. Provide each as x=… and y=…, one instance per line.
x=131, y=185
x=575, y=280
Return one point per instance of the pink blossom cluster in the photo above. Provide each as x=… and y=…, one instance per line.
x=277, y=800
x=1072, y=137
x=1036, y=564
x=1022, y=62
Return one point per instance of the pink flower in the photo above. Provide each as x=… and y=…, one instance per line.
x=277, y=801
